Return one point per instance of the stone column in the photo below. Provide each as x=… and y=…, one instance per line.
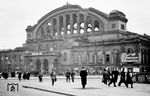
x=103, y=57
x=58, y=26
x=85, y=25
x=78, y=24
x=42, y=67
x=92, y=25
x=71, y=24
x=64, y=25
x=112, y=57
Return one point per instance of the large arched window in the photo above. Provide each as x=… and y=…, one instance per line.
x=42, y=32
x=91, y=57
x=38, y=65
x=55, y=26
x=49, y=28
x=61, y=25
x=108, y=54
x=96, y=25
x=81, y=19
x=68, y=23
x=74, y=23
x=89, y=24
x=99, y=56
x=46, y=65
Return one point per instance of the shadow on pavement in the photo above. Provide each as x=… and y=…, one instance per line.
x=87, y=88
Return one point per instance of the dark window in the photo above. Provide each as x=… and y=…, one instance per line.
x=107, y=57
x=122, y=27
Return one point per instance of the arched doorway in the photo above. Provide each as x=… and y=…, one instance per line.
x=46, y=66
x=38, y=65
x=55, y=66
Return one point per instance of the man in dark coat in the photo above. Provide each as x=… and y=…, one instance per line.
x=28, y=75
x=83, y=75
x=67, y=76
x=40, y=77
x=24, y=75
x=122, y=78
x=129, y=79
x=19, y=76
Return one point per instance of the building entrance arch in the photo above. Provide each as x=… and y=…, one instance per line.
x=38, y=65
x=56, y=63
x=46, y=66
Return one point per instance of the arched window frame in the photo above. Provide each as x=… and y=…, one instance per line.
x=108, y=56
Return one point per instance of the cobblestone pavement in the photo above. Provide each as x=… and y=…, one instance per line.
x=94, y=87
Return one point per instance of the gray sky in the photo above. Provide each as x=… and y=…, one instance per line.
x=16, y=15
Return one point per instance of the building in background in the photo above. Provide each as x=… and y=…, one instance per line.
x=12, y=60
x=70, y=37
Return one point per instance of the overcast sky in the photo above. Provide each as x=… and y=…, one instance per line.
x=16, y=15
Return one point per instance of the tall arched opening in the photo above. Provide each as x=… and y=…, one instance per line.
x=46, y=66
x=38, y=65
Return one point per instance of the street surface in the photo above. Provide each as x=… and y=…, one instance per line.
x=94, y=87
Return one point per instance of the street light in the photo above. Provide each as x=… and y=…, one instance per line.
x=8, y=63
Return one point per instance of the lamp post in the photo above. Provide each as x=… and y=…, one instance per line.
x=8, y=63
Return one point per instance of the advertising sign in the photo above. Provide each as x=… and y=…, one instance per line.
x=132, y=57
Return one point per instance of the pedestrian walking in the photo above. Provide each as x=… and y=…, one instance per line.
x=13, y=74
x=40, y=76
x=113, y=77
x=122, y=78
x=67, y=76
x=24, y=76
x=53, y=77
x=72, y=75
x=28, y=75
x=105, y=77
x=109, y=73
x=19, y=75
x=129, y=79
x=83, y=75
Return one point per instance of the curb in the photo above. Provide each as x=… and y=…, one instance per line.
x=66, y=94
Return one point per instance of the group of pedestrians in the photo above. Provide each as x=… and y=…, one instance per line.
x=25, y=75
x=69, y=74
x=4, y=75
x=52, y=75
x=111, y=76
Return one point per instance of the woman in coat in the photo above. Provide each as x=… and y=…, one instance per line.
x=83, y=75
x=53, y=77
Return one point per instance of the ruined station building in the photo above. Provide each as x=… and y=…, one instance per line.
x=70, y=37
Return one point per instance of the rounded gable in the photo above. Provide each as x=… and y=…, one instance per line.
x=70, y=19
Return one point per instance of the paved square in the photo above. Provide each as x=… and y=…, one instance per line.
x=94, y=87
